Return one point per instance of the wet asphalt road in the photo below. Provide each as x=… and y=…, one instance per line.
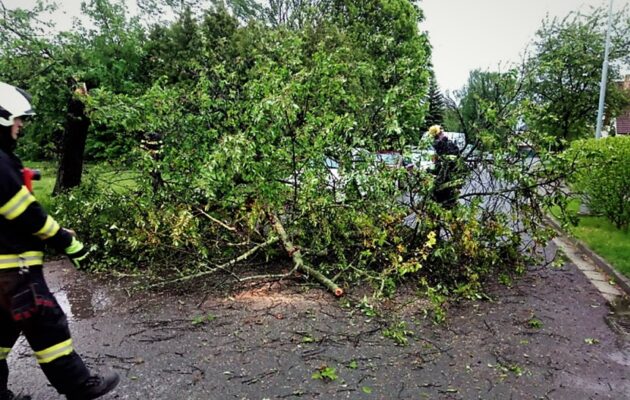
x=266, y=342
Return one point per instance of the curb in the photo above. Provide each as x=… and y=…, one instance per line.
x=620, y=280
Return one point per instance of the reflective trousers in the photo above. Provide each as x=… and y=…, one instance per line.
x=27, y=306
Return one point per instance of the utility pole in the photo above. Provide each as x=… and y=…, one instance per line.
x=603, y=84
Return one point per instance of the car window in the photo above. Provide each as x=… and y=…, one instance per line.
x=331, y=164
x=389, y=159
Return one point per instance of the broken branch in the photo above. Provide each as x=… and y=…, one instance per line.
x=228, y=264
x=296, y=254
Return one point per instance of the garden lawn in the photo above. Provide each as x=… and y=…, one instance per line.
x=118, y=179
x=601, y=236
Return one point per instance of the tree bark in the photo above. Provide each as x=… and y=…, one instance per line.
x=73, y=144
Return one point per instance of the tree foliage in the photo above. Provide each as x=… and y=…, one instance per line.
x=566, y=63
x=435, y=113
x=487, y=107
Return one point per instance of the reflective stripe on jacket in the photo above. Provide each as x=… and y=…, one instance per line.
x=28, y=259
x=24, y=225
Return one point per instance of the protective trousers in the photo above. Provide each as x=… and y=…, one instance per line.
x=27, y=306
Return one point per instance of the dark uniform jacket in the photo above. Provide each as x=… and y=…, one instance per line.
x=445, y=169
x=445, y=147
x=25, y=227
x=447, y=153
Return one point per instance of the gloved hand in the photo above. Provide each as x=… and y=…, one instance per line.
x=77, y=252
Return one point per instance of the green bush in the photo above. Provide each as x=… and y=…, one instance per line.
x=131, y=228
x=602, y=174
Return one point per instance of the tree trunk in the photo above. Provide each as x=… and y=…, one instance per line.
x=72, y=145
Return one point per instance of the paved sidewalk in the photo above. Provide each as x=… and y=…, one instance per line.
x=603, y=282
x=611, y=283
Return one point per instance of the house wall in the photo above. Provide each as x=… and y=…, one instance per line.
x=622, y=122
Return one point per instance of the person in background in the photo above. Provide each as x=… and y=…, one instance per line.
x=446, y=152
x=26, y=304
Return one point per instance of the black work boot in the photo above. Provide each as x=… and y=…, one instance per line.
x=8, y=395
x=95, y=386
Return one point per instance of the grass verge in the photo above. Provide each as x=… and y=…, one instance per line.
x=601, y=236
x=43, y=188
x=119, y=179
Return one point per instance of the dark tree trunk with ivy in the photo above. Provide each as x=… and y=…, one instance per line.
x=72, y=146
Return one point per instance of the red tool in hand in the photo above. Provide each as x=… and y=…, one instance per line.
x=31, y=175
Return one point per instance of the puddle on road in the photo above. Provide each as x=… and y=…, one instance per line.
x=81, y=304
x=619, y=319
x=78, y=296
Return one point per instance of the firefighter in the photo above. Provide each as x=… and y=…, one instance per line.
x=26, y=304
x=446, y=187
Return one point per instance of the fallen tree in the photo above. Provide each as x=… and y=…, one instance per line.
x=245, y=167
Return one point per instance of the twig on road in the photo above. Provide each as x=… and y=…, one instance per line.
x=222, y=267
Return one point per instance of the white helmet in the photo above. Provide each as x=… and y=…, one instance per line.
x=14, y=102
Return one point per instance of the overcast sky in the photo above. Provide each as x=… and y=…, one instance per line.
x=465, y=34
x=469, y=34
